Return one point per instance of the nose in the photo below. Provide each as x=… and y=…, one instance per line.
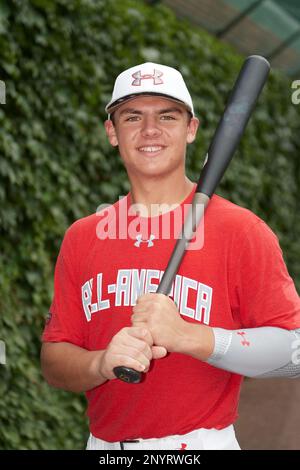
x=150, y=127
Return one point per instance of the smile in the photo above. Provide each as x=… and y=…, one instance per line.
x=151, y=149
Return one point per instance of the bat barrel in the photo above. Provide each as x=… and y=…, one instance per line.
x=242, y=99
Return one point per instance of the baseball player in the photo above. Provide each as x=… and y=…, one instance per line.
x=233, y=310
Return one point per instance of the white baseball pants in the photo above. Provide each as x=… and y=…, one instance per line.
x=201, y=439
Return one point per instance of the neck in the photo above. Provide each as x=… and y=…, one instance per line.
x=154, y=197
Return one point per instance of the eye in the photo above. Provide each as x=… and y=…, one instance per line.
x=167, y=117
x=132, y=118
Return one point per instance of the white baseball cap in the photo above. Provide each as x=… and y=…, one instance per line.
x=150, y=79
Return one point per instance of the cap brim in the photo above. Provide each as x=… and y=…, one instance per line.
x=111, y=107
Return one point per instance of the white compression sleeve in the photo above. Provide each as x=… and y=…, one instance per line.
x=257, y=352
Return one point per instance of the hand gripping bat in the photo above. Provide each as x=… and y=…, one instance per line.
x=227, y=136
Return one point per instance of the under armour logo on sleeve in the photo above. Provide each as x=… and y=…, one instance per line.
x=244, y=342
x=140, y=240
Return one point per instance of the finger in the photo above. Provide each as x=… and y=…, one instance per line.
x=143, y=355
x=139, y=318
x=132, y=343
x=127, y=361
x=159, y=352
x=140, y=332
x=142, y=308
x=146, y=298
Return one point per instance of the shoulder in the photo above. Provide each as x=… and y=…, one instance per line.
x=223, y=211
x=235, y=221
x=85, y=229
x=228, y=211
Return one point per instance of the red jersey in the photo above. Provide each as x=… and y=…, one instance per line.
x=235, y=278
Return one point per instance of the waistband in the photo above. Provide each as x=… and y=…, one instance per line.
x=200, y=439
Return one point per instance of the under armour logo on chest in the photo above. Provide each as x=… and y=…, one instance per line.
x=140, y=240
x=156, y=77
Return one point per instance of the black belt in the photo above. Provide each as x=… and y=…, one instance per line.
x=129, y=441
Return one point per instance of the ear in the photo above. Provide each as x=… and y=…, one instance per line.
x=192, y=130
x=111, y=132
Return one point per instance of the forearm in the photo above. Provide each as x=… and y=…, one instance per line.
x=257, y=352
x=253, y=352
x=70, y=367
x=195, y=340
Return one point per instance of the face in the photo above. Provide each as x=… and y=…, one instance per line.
x=152, y=133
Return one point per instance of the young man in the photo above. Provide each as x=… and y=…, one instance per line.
x=233, y=309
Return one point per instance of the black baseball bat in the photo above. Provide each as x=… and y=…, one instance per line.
x=227, y=136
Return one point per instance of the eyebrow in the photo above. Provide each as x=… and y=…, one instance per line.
x=171, y=110
x=161, y=111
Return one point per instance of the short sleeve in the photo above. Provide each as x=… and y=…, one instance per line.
x=65, y=321
x=266, y=293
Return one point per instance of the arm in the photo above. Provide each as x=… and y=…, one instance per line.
x=72, y=368
x=257, y=352
x=254, y=352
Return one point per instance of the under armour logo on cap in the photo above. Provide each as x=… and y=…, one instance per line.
x=138, y=77
x=140, y=240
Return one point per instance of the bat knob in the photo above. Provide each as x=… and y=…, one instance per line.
x=127, y=375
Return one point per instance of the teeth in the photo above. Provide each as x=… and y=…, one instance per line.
x=150, y=149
